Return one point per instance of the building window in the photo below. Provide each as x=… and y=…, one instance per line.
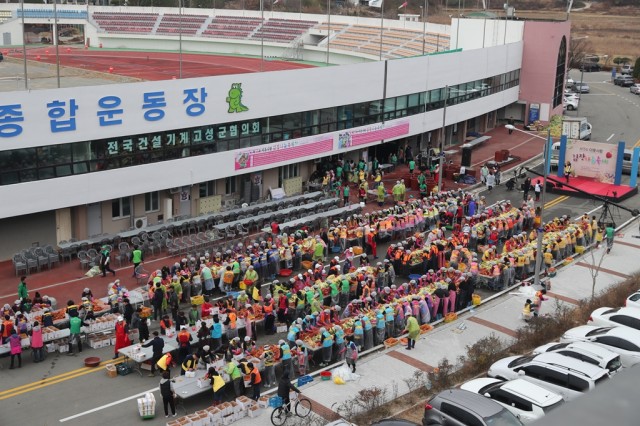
x=151, y=202
x=287, y=172
x=561, y=70
x=207, y=189
x=120, y=207
x=230, y=185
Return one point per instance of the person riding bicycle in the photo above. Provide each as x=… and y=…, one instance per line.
x=284, y=388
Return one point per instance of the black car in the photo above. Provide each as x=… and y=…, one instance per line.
x=623, y=81
x=590, y=67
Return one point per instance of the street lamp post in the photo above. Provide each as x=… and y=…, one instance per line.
x=547, y=165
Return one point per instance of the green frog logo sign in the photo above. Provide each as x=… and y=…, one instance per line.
x=234, y=99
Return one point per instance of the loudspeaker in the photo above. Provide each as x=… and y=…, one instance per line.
x=466, y=157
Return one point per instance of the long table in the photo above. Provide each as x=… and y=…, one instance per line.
x=304, y=220
x=152, y=228
x=147, y=353
x=307, y=207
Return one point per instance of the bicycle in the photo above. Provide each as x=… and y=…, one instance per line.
x=302, y=409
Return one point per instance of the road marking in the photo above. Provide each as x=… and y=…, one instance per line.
x=611, y=137
x=19, y=390
x=111, y=404
x=556, y=201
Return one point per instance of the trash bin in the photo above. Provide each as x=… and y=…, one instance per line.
x=466, y=157
x=499, y=156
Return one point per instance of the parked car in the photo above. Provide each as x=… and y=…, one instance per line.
x=585, y=351
x=527, y=401
x=569, y=83
x=626, y=69
x=590, y=66
x=570, y=104
x=388, y=422
x=566, y=376
x=569, y=94
x=622, y=340
x=633, y=301
x=581, y=88
x=611, y=317
x=623, y=81
x=457, y=407
x=635, y=88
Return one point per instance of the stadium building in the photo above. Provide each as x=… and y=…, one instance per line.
x=81, y=163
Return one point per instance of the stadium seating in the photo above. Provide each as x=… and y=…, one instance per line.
x=48, y=13
x=396, y=43
x=136, y=23
x=174, y=24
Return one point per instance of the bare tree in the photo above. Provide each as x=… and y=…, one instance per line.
x=578, y=50
x=594, y=270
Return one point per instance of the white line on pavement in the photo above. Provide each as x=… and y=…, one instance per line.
x=589, y=212
x=611, y=137
x=102, y=407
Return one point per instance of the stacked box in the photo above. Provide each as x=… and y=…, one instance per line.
x=244, y=402
x=225, y=409
x=254, y=411
x=51, y=347
x=228, y=419
x=195, y=420
x=263, y=402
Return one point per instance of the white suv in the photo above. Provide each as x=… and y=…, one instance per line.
x=584, y=351
x=527, y=401
x=566, y=376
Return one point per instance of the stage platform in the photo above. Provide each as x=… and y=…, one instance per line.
x=615, y=193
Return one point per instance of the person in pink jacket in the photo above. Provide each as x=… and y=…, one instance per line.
x=36, y=342
x=16, y=349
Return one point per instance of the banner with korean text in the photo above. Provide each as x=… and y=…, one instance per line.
x=282, y=151
x=373, y=133
x=596, y=160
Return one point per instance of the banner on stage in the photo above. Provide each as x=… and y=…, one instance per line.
x=596, y=160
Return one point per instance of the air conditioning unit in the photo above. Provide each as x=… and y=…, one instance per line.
x=175, y=190
x=140, y=222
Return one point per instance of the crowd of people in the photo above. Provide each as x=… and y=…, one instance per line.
x=343, y=296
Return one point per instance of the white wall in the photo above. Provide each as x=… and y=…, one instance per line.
x=480, y=33
x=95, y=187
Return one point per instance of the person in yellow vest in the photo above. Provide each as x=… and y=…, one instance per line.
x=526, y=310
x=227, y=279
x=217, y=384
x=165, y=362
x=190, y=363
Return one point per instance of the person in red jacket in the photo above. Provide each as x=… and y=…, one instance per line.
x=122, y=335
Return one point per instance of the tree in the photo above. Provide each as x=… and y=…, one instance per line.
x=636, y=69
x=594, y=270
x=578, y=50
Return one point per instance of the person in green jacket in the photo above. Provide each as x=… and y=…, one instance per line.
x=136, y=258
x=610, y=233
x=413, y=328
x=318, y=250
x=75, y=326
x=345, y=194
x=412, y=166
x=23, y=293
x=236, y=376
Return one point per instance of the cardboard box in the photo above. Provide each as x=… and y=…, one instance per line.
x=263, y=402
x=255, y=411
